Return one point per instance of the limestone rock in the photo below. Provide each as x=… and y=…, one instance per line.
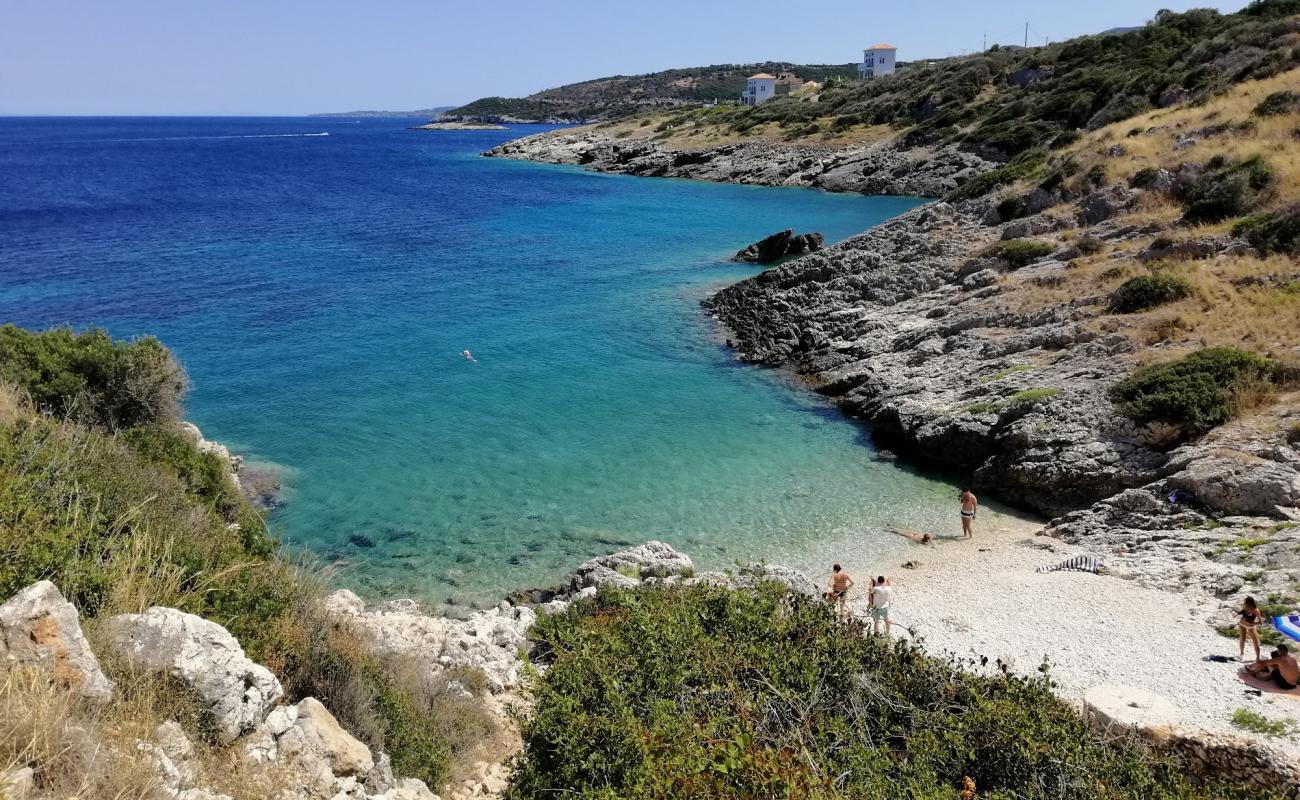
x=1240, y=483
x=205, y=657
x=1111, y=707
x=322, y=736
x=652, y=559
x=38, y=628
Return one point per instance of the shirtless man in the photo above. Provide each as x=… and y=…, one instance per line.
x=839, y=586
x=1282, y=669
x=969, y=505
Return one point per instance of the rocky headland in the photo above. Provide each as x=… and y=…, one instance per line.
x=468, y=125
x=878, y=168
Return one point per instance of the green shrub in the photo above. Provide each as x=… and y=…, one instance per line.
x=1019, y=252
x=1013, y=207
x=1088, y=245
x=701, y=692
x=1283, y=102
x=1149, y=291
x=1026, y=165
x=1143, y=177
x=1274, y=232
x=91, y=378
x=1194, y=392
x=1226, y=191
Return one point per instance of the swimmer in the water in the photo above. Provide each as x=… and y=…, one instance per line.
x=469, y=356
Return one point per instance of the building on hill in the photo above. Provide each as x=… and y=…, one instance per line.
x=759, y=89
x=877, y=60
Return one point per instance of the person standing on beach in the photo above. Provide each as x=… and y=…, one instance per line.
x=1249, y=618
x=969, y=505
x=881, y=596
x=839, y=585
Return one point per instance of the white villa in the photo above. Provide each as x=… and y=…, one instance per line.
x=877, y=60
x=759, y=89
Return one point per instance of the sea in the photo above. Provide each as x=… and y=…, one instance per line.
x=322, y=281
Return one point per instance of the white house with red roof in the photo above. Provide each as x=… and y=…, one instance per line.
x=758, y=89
x=877, y=60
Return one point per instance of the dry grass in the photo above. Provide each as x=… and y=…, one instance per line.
x=82, y=751
x=1244, y=301
x=1150, y=139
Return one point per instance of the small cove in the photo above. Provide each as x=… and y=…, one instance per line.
x=320, y=290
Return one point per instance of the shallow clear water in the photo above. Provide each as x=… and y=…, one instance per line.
x=320, y=290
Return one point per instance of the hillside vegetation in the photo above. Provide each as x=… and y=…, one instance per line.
x=621, y=95
x=777, y=699
x=104, y=493
x=1005, y=103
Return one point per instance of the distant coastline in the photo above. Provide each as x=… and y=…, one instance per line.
x=427, y=113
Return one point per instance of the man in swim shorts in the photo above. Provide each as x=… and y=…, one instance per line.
x=839, y=586
x=969, y=505
x=1282, y=669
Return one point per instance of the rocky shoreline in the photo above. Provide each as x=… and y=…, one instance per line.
x=882, y=168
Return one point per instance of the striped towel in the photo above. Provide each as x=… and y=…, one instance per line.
x=1076, y=564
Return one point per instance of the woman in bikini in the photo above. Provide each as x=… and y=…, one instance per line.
x=1249, y=618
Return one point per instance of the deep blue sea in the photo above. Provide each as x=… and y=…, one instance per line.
x=320, y=278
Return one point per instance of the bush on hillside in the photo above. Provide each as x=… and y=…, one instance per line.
x=1019, y=252
x=1283, y=102
x=1226, y=191
x=700, y=692
x=1149, y=291
x=91, y=378
x=1024, y=166
x=1274, y=232
x=1195, y=392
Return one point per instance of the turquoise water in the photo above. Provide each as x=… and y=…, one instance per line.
x=320, y=290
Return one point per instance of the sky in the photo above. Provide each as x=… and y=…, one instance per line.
x=289, y=57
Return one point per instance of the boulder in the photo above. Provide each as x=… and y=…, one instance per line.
x=204, y=656
x=316, y=734
x=780, y=245
x=1240, y=483
x=651, y=560
x=407, y=789
x=38, y=628
x=1104, y=204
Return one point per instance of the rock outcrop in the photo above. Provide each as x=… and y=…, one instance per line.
x=881, y=168
x=205, y=657
x=39, y=629
x=780, y=245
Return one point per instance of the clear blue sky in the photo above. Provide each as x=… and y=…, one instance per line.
x=294, y=57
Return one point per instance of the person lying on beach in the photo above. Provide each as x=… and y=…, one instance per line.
x=1282, y=669
x=839, y=586
x=916, y=536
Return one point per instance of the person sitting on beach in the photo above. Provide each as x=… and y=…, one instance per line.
x=1282, y=669
x=881, y=595
x=969, y=505
x=1249, y=618
x=916, y=536
x=839, y=586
